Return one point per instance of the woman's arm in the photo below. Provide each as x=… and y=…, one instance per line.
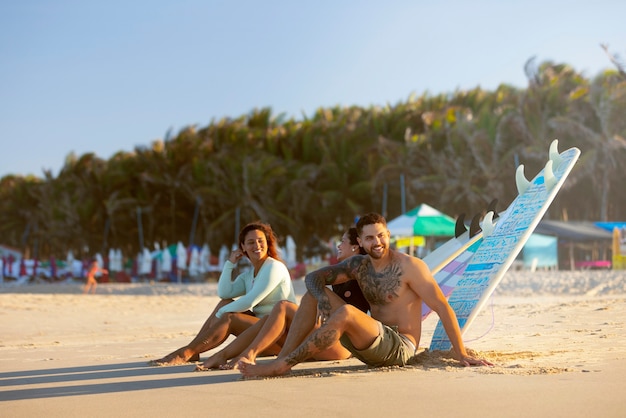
x=227, y=288
x=268, y=279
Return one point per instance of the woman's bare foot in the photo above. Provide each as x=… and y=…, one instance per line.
x=276, y=367
x=180, y=356
x=214, y=362
x=233, y=364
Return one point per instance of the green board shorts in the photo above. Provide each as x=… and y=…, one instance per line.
x=390, y=348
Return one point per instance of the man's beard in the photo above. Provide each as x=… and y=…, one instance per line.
x=377, y=254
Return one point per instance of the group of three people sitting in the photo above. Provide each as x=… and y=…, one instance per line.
x=372, y=311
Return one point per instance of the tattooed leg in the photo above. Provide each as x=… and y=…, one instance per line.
x=345, y=319
x=320, y=340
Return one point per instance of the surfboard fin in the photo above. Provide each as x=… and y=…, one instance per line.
x=460, y=228
x=475, y=226
x=491, y=207
x=488, y=225
x=554, y=153
x=521, y=181
x=549, y=179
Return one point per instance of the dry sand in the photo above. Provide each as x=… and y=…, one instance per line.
x=557, y=338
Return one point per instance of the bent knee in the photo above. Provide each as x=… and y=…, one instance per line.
x=230, y=316
x=285, y=306
x=226, y=317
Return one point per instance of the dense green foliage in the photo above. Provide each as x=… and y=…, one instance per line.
x=311, y=177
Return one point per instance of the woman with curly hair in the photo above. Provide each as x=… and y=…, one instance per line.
x=246, y=298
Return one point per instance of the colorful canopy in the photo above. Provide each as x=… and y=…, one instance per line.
x=423, y=220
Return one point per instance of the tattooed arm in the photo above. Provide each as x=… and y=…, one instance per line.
x=316, y=281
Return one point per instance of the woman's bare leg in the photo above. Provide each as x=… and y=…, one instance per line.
x=302, y=325
x=178, y=356
x=276, y=326
x=214, y=332
x=234, y=348
x=211, y=319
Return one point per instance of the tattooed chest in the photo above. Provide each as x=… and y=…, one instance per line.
x=380, y=288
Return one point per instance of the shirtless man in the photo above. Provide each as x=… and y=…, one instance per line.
x=395, y=284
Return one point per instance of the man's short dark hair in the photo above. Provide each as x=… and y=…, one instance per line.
x=370, y=219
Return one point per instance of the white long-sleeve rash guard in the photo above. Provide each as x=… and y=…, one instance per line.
x=258, y=294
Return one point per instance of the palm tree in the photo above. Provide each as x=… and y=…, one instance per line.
x=597, y=122
x=551, y=97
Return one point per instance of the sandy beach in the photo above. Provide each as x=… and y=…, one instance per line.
x=558, y=341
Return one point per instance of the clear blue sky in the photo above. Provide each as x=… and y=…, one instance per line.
x=102, y=76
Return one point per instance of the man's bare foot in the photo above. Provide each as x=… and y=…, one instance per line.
x=177, y=357
x=273, y=368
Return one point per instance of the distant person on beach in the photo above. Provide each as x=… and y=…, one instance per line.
x=256, y=292
x=92, y=283
x=395, y=284
x=275, y=330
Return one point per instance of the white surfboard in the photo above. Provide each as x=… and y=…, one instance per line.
x=442, y=255
x=446, y=253
x=499, y=249
x=448, y=273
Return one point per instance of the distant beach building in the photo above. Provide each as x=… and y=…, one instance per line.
x=6, y=251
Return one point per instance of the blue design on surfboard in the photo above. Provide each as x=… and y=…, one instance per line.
x=448, y=277
x=500, y=248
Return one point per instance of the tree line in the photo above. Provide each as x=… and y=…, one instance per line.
x=311, y=177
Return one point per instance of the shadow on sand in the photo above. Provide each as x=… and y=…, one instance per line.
x=99, y=379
